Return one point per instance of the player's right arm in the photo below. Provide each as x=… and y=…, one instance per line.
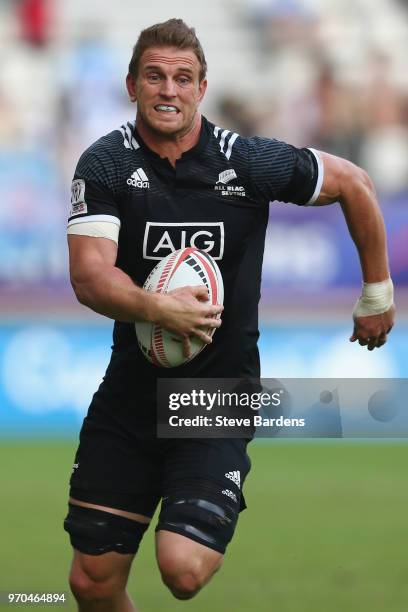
x=93, y=234
x=99, y=284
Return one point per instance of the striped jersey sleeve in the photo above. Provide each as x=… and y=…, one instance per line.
x=95, y=185
x=279, y=171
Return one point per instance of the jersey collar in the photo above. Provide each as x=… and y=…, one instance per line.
x=191, y=153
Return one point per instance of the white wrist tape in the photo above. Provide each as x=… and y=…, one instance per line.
x=375, y=299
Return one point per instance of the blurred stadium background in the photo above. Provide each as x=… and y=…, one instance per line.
x=325, y=522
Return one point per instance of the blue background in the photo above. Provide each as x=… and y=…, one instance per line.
x=49, y=371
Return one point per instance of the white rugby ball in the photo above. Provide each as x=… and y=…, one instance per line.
x=186, y=267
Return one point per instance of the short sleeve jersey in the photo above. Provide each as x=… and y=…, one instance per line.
x=216, y=199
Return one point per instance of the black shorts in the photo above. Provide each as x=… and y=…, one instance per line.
x=117, y=470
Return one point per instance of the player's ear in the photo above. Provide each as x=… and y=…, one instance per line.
x=202, y=88
x=131, y=87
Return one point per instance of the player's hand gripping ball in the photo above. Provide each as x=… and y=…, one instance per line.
x=186, y=267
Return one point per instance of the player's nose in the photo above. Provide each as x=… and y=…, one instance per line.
x=168, y=88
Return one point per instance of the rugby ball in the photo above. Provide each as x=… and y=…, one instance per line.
x=186, y=267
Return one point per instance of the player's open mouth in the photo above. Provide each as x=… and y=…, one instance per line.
x=166, y=108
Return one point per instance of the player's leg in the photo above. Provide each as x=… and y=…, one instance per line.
x=115, y=488
x=201, y=503
x=185, y=565
x=105, y=541
x=99, y=583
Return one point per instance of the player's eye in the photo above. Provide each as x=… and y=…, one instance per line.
x=184, y=80
x=153, y=77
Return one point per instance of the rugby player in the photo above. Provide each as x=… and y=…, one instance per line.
x=167, y=180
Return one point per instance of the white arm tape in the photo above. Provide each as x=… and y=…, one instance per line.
x=96, y=229
x=375, y=299
x=320, y=177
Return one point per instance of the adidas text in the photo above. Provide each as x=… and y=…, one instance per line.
x=230, y=494
x=139, y=179
x=141, y=184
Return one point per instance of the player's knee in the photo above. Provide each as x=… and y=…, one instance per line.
x=89, y=583
x=184, y=577
x=183, y=570
x=184, y=585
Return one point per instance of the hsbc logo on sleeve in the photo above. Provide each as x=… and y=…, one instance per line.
x=160, y=239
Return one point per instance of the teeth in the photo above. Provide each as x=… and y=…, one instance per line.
x=168, y=109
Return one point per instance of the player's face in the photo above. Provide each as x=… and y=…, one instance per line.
x=168, y=90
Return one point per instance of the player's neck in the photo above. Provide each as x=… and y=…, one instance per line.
x=171, y=147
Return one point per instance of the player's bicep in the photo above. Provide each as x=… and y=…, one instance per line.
x=88, y=256
x=337, y=174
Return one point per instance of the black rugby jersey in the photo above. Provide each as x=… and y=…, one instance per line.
x=216, y=198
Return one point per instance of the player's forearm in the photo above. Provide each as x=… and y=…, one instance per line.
x=366, y=226
x=112, y=293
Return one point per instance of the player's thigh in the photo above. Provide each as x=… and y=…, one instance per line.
x=112, y=468
x=202, y=490
x=134, y=516
x=96, y=530
x=114, y=489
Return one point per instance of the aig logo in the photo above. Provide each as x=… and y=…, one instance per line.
x=160, y=239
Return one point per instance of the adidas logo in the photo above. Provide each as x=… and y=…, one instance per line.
x=139, y=179
x=235, y=477
x=230, y=494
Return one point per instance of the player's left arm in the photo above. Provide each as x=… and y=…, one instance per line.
x=350, y=185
